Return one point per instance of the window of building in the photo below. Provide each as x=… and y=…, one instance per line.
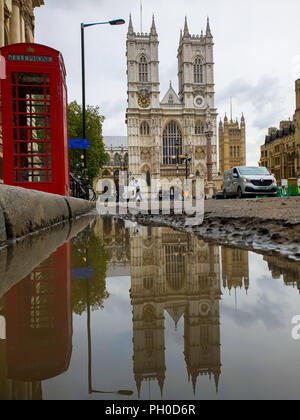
x=117, y=160
x=145, y=129
x=198, y=71
x=107, y=159
x=172, y=143
x=199, y=128
x=143, y=69
x=171, y=100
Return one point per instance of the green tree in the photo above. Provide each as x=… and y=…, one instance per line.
x=96, y=154
x=88, y=251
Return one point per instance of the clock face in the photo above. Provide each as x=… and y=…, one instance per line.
x=199, y=102
x=144, y=100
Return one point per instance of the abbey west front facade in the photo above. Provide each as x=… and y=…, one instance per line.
x=174, y=137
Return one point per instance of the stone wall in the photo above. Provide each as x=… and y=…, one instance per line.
x=24, y=211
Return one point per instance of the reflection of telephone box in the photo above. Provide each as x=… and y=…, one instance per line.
x=35, y=119
x=39, y=320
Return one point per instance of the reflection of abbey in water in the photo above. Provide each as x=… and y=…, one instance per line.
x=235, y=268
x=170, y=271
x=175, y=273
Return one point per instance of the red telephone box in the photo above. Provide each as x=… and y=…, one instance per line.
x=35, y=119
x=39, y=320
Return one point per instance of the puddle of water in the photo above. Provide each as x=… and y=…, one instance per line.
x=149, y=310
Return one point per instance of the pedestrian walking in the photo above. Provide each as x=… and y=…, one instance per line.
x=138, y=190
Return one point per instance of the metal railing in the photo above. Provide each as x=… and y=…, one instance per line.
x=81, y=188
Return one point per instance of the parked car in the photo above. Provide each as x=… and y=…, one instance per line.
x=243, y=181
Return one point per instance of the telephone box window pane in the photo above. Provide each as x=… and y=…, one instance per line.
x=14, y=92
x=27, y=148
x=36, y=79
x=15, y=148
x=50, y=176
x=49, y=148
x=13, y=78
x=37, y=91
x=47, y=79
x=49, y=163
x=33, y=162
x=38, y=121
x=31, y=134
x=16, y=162
x=14, y=106
x=17, y=176
x=48, y=134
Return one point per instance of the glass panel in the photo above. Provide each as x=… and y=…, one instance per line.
x=31, y=134
x=33, y=91
x=15, y=120
x=36, y=79
x=16, y=162
x=33, y=162
x=49, y=162
x=50, y=176
x=13, y=78
x=16, y=148
x=49, y=148
x=17, y=176
x=27, y=148
x=38, y=121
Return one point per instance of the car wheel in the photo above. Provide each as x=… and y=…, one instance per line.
x=240, y=194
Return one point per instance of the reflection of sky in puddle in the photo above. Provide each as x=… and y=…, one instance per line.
x=259, y=358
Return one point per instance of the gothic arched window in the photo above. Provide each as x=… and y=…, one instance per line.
x=172, y=143
x=198, y=71
x=143, y=69
x=198, y=128
x=145, y=129
x=107, y=159
x=117, y=160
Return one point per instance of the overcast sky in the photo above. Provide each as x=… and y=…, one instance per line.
x=257, y=54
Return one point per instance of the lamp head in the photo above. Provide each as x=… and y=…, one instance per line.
x=117, y=22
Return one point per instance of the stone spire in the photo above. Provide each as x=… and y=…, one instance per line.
x=186, y=33
x=208, y=31
x=217, y=378
x=180, y=38
x=243, y=121
x=130, y=27
x=153, y=27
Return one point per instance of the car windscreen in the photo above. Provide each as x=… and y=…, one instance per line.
x=253, y=170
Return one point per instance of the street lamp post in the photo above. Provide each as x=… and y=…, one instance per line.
x=83, y=26
x=187, y=160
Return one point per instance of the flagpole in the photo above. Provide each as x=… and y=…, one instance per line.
x=141, y=15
